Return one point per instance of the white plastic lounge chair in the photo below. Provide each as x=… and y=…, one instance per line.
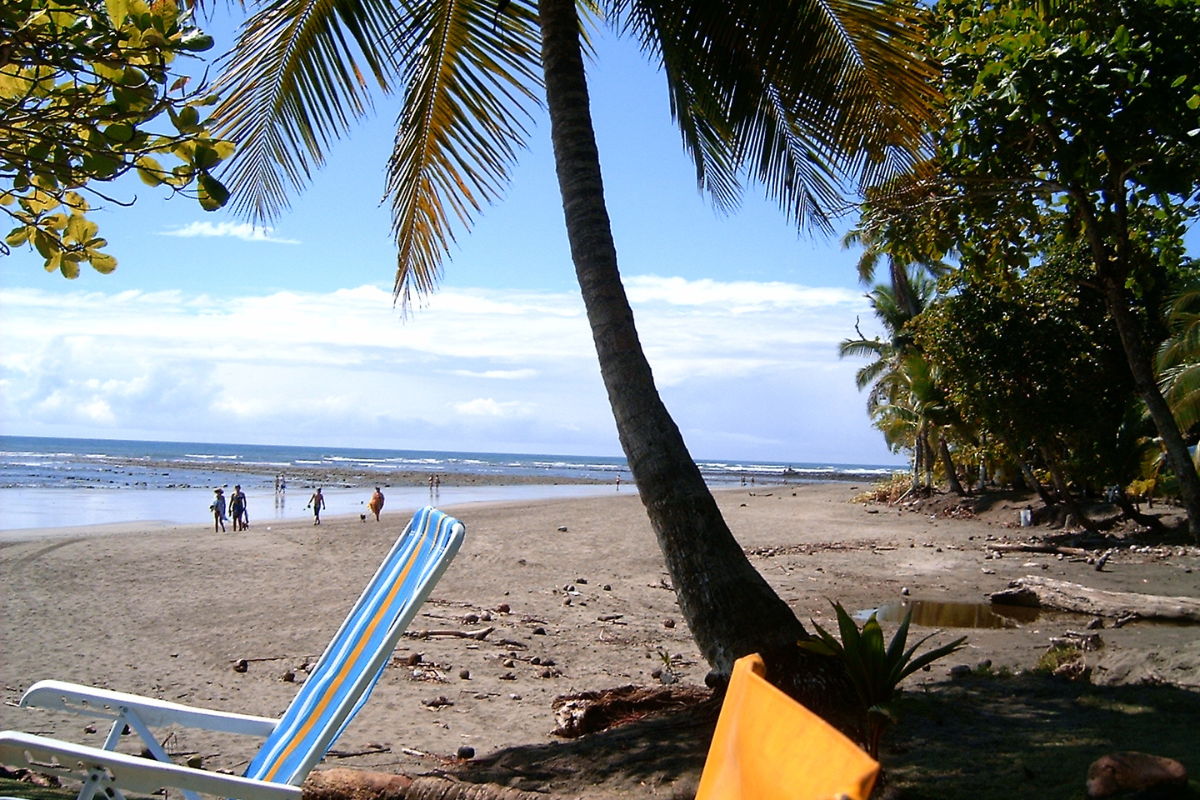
x=335, y=690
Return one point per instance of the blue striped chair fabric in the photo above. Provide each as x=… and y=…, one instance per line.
x=353, y=662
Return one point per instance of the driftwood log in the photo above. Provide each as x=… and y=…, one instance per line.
x=1037, y=592
x=354, y=784
x=1001, y=547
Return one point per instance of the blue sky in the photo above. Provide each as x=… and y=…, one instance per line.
x=211, y=332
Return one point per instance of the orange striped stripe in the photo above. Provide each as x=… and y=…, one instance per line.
x=320, y=709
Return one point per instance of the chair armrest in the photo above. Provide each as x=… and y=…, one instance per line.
x=104, y=704
x=131, y=773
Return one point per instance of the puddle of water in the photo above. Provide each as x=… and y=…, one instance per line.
x=935, y=614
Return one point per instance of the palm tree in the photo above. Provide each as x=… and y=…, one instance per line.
x=906, y=399
x=1178, y=361
x=798, y=95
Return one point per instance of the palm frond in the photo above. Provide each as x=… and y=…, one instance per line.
x=291, y=85
x=471, y=77
x=795, y=95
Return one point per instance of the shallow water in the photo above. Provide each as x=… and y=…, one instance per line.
x=25, y=509
x=936, y=614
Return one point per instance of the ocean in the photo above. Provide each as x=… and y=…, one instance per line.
x=59, y=483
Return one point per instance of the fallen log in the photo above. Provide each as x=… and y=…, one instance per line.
x=1002, y=547
x=1037, y=592
x=478, y=636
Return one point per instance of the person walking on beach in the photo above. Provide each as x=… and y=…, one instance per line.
x=238, y=510
x=218, y=509
x=376, y=503
x=317, y=502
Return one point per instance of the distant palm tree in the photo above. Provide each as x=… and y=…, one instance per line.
x=1178, y=362
x=906, y=400
x=797, y=94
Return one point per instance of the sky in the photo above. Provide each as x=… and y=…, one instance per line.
x=213, y=331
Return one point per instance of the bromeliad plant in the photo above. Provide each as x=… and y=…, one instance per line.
x=874, y=670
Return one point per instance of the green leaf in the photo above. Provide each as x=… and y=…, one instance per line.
x=195, y=40
x=18, y=236
x=119, y=132
x=117, y=11
x=188, y=120
x=150, y=171
x=213, y=193
x=103, y=263
x=205, y=157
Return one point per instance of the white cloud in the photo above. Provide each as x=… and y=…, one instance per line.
x=237, y=230
x=499, y=374
x=487, y=407
x=474, y=370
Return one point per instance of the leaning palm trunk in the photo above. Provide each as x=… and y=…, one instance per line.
x=729, y=607
x=948, y=465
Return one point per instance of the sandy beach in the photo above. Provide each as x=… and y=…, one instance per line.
x=167, y=612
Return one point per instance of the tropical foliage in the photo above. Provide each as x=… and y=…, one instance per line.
x=875, y=670
x=82, y=83
x=1067, y=152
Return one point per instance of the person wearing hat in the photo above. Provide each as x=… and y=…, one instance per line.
x=218, y=509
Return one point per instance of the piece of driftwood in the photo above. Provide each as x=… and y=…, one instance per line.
x=353, y=784
x=478, y=636
x=1037, y=592
x=1003, y=547
x=588, y=712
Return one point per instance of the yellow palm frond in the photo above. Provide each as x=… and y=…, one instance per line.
x=471, y=75
x=292, y=84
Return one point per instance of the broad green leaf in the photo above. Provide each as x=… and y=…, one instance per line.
x=103, y=263
x=150, y=171
x=18, y=236
x=119, y=132
x=213, y=193
x=117, y=11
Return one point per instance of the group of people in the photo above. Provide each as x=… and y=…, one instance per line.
x=238, y=511
x=237, y=508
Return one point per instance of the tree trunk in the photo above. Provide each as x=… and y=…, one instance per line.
x=729, y=607
x=928, y=461
x=948, y=465
x=1027, y=472
x=1160, y=412
x=1064, y=493
x=1112, y=271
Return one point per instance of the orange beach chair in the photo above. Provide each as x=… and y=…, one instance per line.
x=769, y=747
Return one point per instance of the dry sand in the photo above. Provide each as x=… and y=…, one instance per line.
x=166, y=612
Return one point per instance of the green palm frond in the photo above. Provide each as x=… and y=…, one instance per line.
x=795, y=95
x=291, y=85
x=471, y=75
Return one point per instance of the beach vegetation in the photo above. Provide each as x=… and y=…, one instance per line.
x=1071, y=138
x=876, y=670
x=803, y=98
x=1065, y=172
x=89, y=92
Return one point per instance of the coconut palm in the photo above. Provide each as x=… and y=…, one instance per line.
x=1178, y=362
x=795, y=95
x=906, y=399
